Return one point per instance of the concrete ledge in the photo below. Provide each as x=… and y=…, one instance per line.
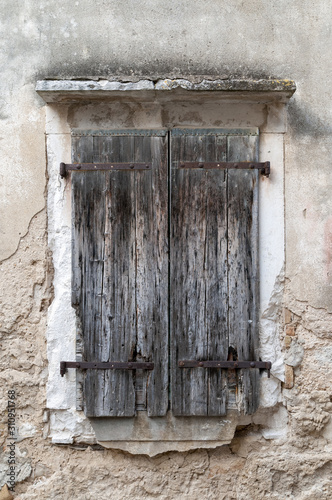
x=65, y=91
x=151, y=436
x=154, y=448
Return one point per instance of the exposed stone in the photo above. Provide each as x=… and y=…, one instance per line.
x=80, y=90
x=287, y=316
x=289, y=377
x=25, y=430
x=23, y=472
x=294, y=355
x=287, y=341
x=233, y=85
x=290, y=330
x=5, y=494
x=41, y=470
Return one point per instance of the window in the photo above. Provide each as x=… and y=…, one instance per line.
x=165, y=269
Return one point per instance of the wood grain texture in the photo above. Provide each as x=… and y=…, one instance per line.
x=121, y=286
x=243, y=264
x=198, y=275
x=121, y=293
x=214, y=272
x=152, y=271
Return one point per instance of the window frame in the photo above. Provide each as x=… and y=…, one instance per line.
x=67, y=424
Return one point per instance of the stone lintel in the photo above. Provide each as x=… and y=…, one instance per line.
x=67, y=91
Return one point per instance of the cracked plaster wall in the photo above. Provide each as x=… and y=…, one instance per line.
x=172, y=39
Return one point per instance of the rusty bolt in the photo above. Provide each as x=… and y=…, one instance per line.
x=201, y=165
x=200, y=363
x=131, y=165
x=78, y=167
x=181, y=363
x=252, y=364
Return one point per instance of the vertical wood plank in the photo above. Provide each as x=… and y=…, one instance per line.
x=216, y=276
x=243, y=263
x=152, y=272
x=188, y=233
x=91, y=213
x=119, y=277
x=82, y=151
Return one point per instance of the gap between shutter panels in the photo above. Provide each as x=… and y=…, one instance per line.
x=205, y=384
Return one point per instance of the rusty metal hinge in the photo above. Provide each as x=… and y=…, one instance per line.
x=264, y=167
x=111, y=365
x=66, y=167
x=228, y=365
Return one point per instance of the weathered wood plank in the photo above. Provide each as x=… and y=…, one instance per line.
x=152, y=272
x=189, y=388
x=197, y=278
x=243, y=264
x=217, y=278
x=90, y=212
x=119, y=277
x=82, y=150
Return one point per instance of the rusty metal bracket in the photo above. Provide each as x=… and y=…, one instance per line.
x=264, y=167
x=111, y=365
x=83, y=167
x=228, y=365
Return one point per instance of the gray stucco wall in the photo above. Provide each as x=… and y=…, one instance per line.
x=154, y=39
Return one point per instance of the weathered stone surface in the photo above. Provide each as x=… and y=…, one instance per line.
x=5, y=494
x=289, y=377
x=290, y=330
x=295, y=354
x=234, y=85
x=82, y=90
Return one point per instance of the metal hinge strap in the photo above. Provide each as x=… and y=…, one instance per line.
x=228, y=365
x=111, y=365
x=66, y=167
x=264, y=167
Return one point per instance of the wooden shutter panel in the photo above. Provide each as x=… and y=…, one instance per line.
x=214, y=271
x=120, y=270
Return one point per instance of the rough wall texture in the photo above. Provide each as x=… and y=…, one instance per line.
x=155, y=39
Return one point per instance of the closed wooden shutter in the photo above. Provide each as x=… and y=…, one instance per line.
x=165, y=268
x=120, y=271
x=214, y=271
